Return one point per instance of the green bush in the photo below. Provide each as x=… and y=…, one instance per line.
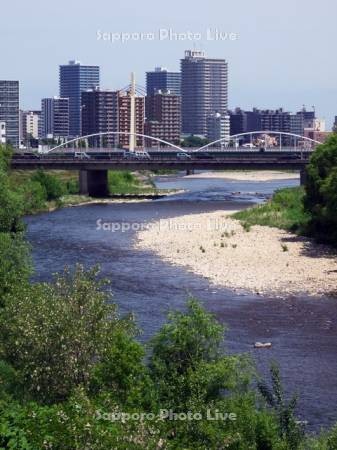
x=285, y=210
x=34, y=196
x=52, y=185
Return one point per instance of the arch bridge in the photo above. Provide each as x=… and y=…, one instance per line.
x=288, y=152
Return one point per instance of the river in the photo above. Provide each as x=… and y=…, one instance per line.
x=302, y=330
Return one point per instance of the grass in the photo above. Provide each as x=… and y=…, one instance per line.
x=284, y=211
x=19, y=177
x=246, y=226
x=123, y=182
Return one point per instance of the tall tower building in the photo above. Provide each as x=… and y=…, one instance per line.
x=163, y=118
x=76, y=78
x=162, y=79
x=100, y=115
x=9, y=110
x=204, y=90
x=55, y=117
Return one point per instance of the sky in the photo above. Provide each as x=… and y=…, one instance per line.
x=280, y=54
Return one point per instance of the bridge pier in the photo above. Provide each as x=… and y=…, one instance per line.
x=303, y=176
x=190, y=172
x=94, y=183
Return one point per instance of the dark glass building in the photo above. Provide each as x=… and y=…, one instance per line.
x=9, y=110
x=244, y=121
x=163, y=80
x=55, y=117
x=100, y=115
x=204, y=90
x=76, y=78
x=301, y=120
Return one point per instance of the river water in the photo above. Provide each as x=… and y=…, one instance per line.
x=303, y=330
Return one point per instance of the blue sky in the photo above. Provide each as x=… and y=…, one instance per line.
x=284, y=53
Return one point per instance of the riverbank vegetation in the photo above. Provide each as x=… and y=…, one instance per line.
x=73, y=375
x=127, y=183
x=285, y=210
x=310, y=210
x=48, y=190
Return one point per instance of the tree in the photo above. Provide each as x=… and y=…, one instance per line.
x=11, y=205
x=289, y=428
x=15, y=263
x=321, y=191
x=34, y=196
x=193, y=374
x=51, y=184
x=54, y=334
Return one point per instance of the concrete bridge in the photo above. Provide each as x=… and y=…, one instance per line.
x=93, y=171
x=93, y=174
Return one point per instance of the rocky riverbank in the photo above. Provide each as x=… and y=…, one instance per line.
x=257, y=259
x=248, y=175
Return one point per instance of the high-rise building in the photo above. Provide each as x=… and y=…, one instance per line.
x=76, y=78
x=218, y=127
x=9, y=110
x=275, y=120
x=162, y=79
x=301, y=120
x=204, y=90
x=2, y=133
x=163, y=118
x=55, y=117
x=124, y=119
x=30, y=125
x=244, y=121
x=100, y=115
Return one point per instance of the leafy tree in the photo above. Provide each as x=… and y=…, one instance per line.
x=15, y=263
x=11, y=207
x=289, y=428
x=52, y=185
x=192, y=374
x=34, y=196
x=123, y=374
x=321, y=191
x=55, y=333
x=6, y=153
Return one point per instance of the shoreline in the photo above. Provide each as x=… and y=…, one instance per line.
x=261, y=260
x=82, y=200
x=247, y=175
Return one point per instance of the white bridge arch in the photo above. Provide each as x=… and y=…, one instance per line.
x=114, y=133
x=184, y=149
x=258, y=133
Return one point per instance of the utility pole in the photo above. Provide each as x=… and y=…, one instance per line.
x=132, y=138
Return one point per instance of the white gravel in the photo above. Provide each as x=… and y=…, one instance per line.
x=264, y=260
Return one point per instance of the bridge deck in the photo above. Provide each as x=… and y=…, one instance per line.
x=256, y=163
